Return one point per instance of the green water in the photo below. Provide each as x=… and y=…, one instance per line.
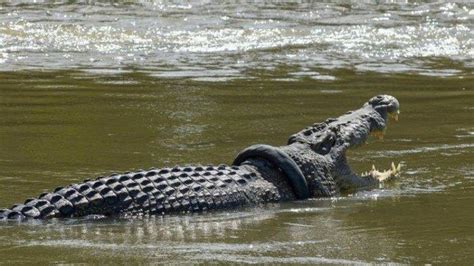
x=61, y=127
x=88, y=88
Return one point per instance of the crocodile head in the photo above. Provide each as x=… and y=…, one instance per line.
x=335, y=136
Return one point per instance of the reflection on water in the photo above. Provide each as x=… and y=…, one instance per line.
x=88, y=89
x=346, y=230
x=267, y=235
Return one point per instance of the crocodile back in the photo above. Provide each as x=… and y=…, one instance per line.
x=155, y=191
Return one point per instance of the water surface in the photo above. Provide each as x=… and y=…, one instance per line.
x=86, y=90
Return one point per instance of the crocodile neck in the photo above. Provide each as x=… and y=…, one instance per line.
x=271, y=174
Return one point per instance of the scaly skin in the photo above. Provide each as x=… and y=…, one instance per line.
x=313, y=164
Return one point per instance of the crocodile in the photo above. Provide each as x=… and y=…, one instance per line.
x=312, y=164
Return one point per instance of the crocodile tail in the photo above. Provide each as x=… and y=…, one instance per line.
x=32, y=208
x=102, y=196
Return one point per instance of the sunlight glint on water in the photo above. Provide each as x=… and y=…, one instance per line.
x=238, y=37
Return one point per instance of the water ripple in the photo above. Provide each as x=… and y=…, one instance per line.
x=162, y=38
x=394, y=153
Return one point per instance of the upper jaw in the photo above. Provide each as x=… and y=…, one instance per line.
x=353, y=128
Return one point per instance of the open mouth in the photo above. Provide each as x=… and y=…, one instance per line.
x=394, y=170
x=335, y=136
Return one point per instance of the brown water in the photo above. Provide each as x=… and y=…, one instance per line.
x=179, y=99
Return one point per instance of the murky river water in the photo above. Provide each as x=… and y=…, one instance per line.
x=90, y=89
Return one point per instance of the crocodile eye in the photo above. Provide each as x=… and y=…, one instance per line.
x=324, y=143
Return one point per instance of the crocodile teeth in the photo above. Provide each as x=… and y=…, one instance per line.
x=382, y=175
